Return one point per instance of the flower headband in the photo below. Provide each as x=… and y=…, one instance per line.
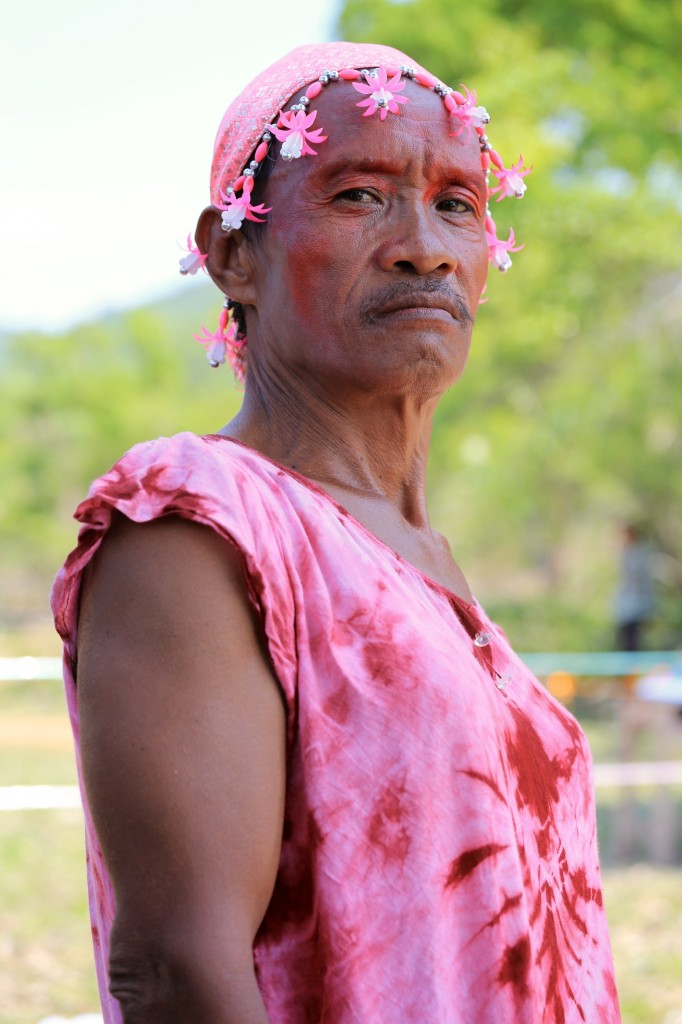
x=380, y=88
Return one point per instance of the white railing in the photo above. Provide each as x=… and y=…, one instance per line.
x=589, y=663
x=20, y=670
x=647, y=702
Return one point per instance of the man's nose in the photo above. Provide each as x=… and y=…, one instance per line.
x=417, y=243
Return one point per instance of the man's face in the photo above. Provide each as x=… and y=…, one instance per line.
x=374, y=256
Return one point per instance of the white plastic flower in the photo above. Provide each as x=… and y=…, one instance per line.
x=233, y=216
x=498, y=249
x=293, y=130
x=194, y=260
x=479, y=117
x=510, y=178
x=384, y=98
x=293, y=147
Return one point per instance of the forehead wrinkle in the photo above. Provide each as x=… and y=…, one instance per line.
x=434, y=169
x=445, y=157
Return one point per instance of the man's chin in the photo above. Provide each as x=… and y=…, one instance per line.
x=425, y=361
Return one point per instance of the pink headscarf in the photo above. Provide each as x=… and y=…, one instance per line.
x=245, y=119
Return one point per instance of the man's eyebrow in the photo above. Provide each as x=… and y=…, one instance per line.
x=376, y=165
x=455, y=173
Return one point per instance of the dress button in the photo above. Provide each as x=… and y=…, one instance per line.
x=482, y=639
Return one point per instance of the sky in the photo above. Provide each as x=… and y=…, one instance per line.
x=108, y=112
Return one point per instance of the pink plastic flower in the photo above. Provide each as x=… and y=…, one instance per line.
x=510, y=183
x=498, y=250
x=238, y=209
x=292, y=129
x=468, y=114
x=225, y=345
x=194, y=260
x=381, y=93
x=215, y=344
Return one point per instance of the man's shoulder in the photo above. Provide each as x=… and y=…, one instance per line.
x=203, y=479
x=180, y=465
x=197, y=459
x=211, y=478
x=185, y=446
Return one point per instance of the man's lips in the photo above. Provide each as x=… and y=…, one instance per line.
x=429, y=306
x=435, y=303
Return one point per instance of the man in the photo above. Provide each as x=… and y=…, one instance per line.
x=320, y=787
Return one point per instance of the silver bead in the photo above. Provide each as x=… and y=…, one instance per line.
x=482, y=639
x=213, y=363
x=333, y=76
x=229, y=191
x=183, y=271
x=503, y=681
x=410, y=72
x=254, y=165
x=304, y=101
x=267, y=137
x=247, y=172
x=287, y=156
x=382, y=103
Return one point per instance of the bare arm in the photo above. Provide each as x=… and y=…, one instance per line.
x=183, y=745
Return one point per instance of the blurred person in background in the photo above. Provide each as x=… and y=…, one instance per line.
x=319, y=785
x=635, y=598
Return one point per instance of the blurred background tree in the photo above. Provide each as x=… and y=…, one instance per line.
x=569, y=419
x=72, y=403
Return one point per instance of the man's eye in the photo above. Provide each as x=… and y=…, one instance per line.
x=357, y=195
x=456, y=206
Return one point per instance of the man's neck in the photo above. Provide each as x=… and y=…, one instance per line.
x=373, y=447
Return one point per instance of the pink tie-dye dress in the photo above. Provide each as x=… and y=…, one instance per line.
x=439, y=857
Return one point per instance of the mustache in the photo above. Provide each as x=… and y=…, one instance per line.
x=406, y=290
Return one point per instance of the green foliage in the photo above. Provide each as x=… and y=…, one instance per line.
x=74, y=402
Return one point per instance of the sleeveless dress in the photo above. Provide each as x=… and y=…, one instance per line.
x=439, y=855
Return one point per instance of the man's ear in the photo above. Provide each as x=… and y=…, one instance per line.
x=229, y=260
